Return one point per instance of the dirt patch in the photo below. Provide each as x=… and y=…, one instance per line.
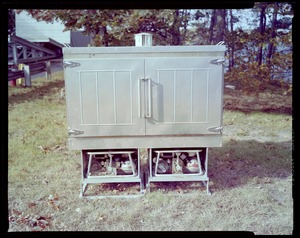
x=237, y=100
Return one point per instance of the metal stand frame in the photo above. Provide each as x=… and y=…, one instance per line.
x=201, y=175
x=87, y=178
x=144, y=179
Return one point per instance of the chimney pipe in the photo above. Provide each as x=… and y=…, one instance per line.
x=143, y=39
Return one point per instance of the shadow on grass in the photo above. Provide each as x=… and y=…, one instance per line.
x=23, y=94
x=240, y=162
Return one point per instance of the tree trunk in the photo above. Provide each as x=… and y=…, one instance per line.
x=184, y=19
x=231, y=49
x=104, y=35
x=273, y=35
x=175, y=29
x=212, y=25
x=262, y=27
x=221, y=24
x=217, y=26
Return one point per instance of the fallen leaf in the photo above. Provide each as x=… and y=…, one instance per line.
x=53, y=205
x=31, y=204
x=55, y=198
x=44, y=149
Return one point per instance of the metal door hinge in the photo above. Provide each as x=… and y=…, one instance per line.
x=75, y=132
x=70, y=64
x=217, y=61
x=215, y=129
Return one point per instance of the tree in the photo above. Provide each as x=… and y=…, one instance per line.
x=217, y=26
x=160, y=23
x=264, y=53
x=262, y=27
x=198, y=34
x=273, y=34
x=11, y=21
x=97, y=23
x=168, y=26
x=256, y=55
x=117, y=27
x=231, y=38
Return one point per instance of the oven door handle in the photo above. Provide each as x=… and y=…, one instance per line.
x=139, y=97
x=149, y=99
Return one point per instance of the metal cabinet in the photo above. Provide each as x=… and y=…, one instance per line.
x=140, y=92
x=122, y=99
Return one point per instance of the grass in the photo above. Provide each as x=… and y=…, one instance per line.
x=250, y=175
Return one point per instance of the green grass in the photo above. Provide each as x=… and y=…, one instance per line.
x=250, y=176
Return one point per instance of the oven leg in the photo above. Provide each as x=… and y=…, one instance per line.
x=82, y=190
x=206, y=184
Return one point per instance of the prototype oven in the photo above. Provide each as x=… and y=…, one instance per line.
x=167, y=99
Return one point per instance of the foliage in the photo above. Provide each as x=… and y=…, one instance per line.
x=262, y=58
x=97, y=23
x=257, y=56
x=200, y=22
x=116, y=27
x=247, y=74
x=163, y=24
x=11, y=21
